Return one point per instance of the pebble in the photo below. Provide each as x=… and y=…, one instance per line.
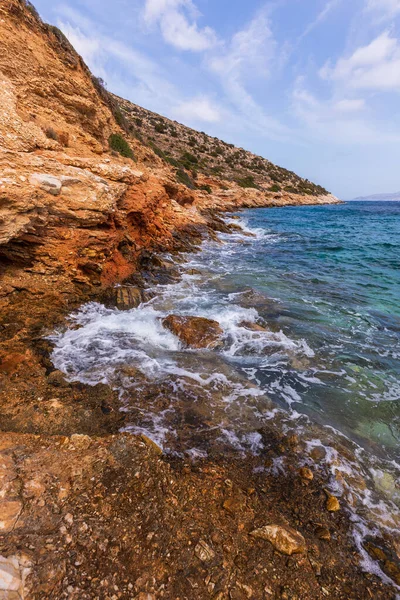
x=204, y=552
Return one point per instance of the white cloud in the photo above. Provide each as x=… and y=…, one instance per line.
x=198, y=109
x=383, y=9
x=142, y=80
x=177, y=20
x=250, y=51
x=321, y=17
x=339, y=122
x=250, y=56
x=372, y=67
x=349, y=105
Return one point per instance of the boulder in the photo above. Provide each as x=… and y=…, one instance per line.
x=284, y=539
x=195, y=332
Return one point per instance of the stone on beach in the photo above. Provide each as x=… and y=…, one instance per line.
x=284, y=539
x=195, y=332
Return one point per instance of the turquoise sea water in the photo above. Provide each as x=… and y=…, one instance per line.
x=324, y=281
x=335, y=274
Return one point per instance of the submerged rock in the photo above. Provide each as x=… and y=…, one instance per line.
x=284, y=539
x=252, y=326
x=195, y=332
x=388, y=560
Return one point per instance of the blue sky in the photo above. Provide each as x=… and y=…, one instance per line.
x=313, y=85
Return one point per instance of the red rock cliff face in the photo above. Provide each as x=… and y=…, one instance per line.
x=71, y=213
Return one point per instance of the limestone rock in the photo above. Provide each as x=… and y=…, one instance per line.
x=195, y=332
x=283, y=538
x=10, y=578
x=306, y=474
x=48, y=183
x=332, y=503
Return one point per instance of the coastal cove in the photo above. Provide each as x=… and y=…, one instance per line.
x=277, y=289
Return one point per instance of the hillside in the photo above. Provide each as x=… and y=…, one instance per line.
x=197, y=153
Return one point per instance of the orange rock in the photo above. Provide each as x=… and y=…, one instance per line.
x=195, y=332
x=284, y=539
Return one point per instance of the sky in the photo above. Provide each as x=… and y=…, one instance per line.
x=312, y=85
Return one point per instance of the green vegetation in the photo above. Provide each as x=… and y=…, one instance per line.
x=120, y=145
x=183, y=177
x=32, y=10
x=206, y=188
x=160, y=128
x=193, y=153
x=51, y=133
x=247, y=182
x=275, y=188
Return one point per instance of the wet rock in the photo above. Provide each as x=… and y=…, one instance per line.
x=204, y=552
x=81, y=441
x=48, y=183
x=151, y=444
x=283, y=538
x=318, y=453
x=332, y=503
x=387, y=558
x=385, y=482
x=323, y=533
x=233, y=504
x=306, y=474
x=128, y=297
x=57, y=379
x=252, y=326
x=195, y=332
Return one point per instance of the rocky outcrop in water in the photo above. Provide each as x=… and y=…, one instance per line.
x=195, y=332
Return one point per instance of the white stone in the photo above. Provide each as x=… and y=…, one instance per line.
x=10, y=576
x=48, y=183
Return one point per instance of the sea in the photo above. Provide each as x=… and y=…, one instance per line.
x=309, y=302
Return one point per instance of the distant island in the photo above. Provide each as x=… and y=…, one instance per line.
x=383, y=197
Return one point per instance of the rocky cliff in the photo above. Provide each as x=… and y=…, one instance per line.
x=72, y=208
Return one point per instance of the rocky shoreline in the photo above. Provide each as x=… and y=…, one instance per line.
x=88, y=512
